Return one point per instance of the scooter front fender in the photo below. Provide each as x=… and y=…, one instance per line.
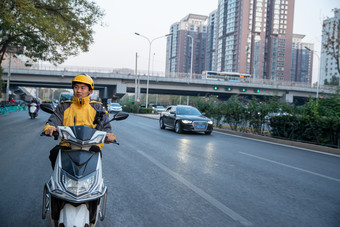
x=74, y=216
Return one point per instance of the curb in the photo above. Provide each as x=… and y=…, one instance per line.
x=265, y=138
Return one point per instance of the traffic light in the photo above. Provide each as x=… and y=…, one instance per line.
x=243, y=89
x=215, y=88
x=257, y=90
x=228, y=89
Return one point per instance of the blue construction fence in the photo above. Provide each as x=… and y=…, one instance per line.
x=8, y=109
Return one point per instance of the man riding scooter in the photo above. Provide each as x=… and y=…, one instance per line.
x=75, y=194
x=33, y=108
x=80, y=111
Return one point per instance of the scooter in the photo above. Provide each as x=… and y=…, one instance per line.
x=75, y=194
x=33, y=110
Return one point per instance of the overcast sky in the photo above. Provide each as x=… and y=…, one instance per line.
x=115, y=45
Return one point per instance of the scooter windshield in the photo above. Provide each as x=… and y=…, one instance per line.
x=79, y=163
x=83, y=132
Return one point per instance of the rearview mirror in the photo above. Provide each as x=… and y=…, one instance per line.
x=120, y=116
x=47, y=107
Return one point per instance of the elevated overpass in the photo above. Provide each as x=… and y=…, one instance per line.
x=114, y=84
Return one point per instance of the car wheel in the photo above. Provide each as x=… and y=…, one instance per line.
x=208, y=133
x=161, y=123
x=178, y=128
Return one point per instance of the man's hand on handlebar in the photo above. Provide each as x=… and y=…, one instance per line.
x=49, y=132
x=110, y=137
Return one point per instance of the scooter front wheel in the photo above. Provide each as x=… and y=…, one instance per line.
x=45, y=203
x=103, y=207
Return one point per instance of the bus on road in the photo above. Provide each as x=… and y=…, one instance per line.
x=225, y=76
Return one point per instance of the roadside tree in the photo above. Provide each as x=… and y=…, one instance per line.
x=331, y=40
x=48, y=30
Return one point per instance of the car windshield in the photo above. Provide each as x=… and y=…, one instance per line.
x=187, y=111
x=160, y=107
x=65, y=96
x=115, y=104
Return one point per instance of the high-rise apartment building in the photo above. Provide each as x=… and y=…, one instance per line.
x=279, y=36
x=302, y=60
x=188, y=36
x=328, y=64
x=253, y=37
x=210, y=58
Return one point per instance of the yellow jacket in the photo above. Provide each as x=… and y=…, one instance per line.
x=77, y=112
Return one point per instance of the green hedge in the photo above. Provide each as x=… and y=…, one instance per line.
x=135, y=108
x=323, y=131
x=318, y=121
x=145, y=110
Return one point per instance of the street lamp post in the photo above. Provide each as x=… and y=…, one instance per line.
x=11, y=51
x=147, y=82
x=254, y=69
x=318, y=85
x=191, y=61
x=8, y=76
x=136, y=79
x=192, y=54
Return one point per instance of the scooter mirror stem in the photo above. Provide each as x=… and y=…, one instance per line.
x=49, y=108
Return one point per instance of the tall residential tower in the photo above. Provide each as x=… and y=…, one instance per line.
x=188, y=36
x=302, y=60
x=253, y=37
x=330, y=59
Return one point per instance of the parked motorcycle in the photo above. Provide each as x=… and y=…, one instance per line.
x=33, y=110
x=75, y=194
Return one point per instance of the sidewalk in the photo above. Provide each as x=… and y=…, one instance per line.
x=264, y=138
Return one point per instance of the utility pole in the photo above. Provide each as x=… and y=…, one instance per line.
x=136, y=80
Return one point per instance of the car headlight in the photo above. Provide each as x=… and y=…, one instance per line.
x=77, y=187
x=210, y=122
x=186, y=122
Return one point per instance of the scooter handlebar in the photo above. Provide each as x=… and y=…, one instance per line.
x=115, y=141
x=55, y=135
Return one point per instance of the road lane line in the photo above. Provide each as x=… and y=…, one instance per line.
x=292, y=167
x=232, y=214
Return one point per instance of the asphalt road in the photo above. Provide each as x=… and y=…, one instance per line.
x=160, y=178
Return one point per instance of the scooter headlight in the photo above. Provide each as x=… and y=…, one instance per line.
x=77, y=187
x=67, y=136
x=99, y=139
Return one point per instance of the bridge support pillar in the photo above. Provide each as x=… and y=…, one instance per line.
x=104, y=96
x=112, y=92
x=288, y=98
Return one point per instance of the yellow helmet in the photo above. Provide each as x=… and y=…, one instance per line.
x=84, y=79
